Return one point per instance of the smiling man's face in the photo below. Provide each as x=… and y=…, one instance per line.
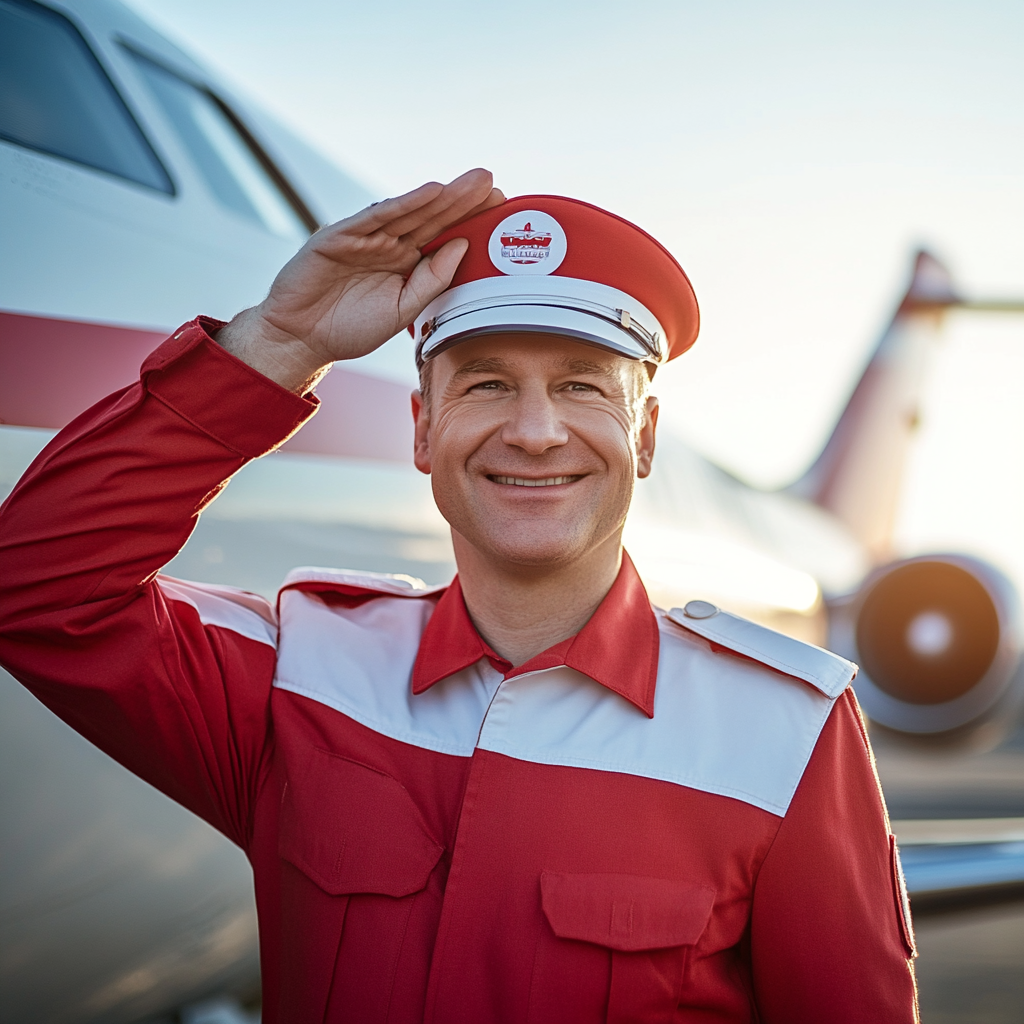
x=533, y=443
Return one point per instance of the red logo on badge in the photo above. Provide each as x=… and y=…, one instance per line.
x=527, y=242
x=524, y=245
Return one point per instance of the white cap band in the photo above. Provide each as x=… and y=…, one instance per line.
x=593, y=313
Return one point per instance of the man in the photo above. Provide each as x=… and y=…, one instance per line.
x=525, y=797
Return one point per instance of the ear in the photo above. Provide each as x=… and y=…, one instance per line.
x=421, y=436
x=645, y=439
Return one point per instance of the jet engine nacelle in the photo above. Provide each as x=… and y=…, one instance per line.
x=938, y=640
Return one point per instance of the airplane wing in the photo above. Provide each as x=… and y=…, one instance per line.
x=950, y=863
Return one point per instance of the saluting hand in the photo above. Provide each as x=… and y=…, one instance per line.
x=357, y=283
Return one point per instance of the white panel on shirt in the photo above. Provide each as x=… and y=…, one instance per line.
x=359, y=661
x=247, y=614
x=722, y=724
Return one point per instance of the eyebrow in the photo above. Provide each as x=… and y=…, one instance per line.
x=489, y=365
x=586, y=366
x=494, y=364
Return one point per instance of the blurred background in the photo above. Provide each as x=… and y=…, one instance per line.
x=790, y=154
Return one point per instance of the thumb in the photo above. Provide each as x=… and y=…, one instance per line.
x=430, y=277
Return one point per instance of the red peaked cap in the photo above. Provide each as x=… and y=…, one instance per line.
x=600, y=247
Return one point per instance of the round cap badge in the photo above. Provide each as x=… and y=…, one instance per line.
x=528, y=242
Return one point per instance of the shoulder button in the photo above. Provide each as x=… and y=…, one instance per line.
x=824, y=670
x=700, y=610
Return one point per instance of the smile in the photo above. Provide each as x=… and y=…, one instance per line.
x=522, y=481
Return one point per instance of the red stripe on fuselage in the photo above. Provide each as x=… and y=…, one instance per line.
x=52, y=370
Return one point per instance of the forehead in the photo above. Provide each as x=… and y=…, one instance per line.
x=530, y=353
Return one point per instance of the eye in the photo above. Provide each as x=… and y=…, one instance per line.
x=581, y=388
x=488, y=385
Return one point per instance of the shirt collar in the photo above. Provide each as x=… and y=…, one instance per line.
x=617, y=648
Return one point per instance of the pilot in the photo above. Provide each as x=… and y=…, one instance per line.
x=528, y=796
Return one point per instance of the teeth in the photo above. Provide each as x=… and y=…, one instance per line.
x=519, y=481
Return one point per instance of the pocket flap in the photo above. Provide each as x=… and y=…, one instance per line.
x=626, y=912
x=354, y=829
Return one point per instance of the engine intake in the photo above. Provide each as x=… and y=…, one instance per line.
x=937, y=639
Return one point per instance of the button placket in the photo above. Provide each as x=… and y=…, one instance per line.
x=498, y=718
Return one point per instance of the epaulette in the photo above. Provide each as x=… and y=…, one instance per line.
x=824, y=670
x=352, y=581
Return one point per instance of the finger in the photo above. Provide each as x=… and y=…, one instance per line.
x=377, y=215
x=496, y=198
x=432, y=276
x=441, y=201
x=463, y=202
x=454, y=202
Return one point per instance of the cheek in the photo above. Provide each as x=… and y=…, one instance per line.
x=458, y=433
x=468, y=417
x=610, y=436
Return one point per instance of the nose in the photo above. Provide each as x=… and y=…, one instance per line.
x=533, y=423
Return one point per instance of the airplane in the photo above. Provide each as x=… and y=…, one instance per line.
x=138, y=189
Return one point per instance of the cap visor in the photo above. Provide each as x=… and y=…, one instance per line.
x=526, y=319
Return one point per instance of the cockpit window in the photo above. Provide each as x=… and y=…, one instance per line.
x=236, y=170
x=56, y=98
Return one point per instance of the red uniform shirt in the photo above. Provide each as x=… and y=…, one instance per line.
x=656, y=820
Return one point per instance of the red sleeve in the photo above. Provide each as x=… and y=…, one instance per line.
x=83, y=623
x=827, y=939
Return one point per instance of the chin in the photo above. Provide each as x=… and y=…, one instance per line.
x=517, y=538
x=536, y=550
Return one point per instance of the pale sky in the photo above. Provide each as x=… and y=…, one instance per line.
x=790, y=154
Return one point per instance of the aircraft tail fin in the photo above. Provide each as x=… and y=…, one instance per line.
x=859, y=473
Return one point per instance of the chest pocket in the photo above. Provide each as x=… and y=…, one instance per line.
x=650, y=925
x=352, y=833
x=353, y=829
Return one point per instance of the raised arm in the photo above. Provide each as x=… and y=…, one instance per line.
x=173, y=679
